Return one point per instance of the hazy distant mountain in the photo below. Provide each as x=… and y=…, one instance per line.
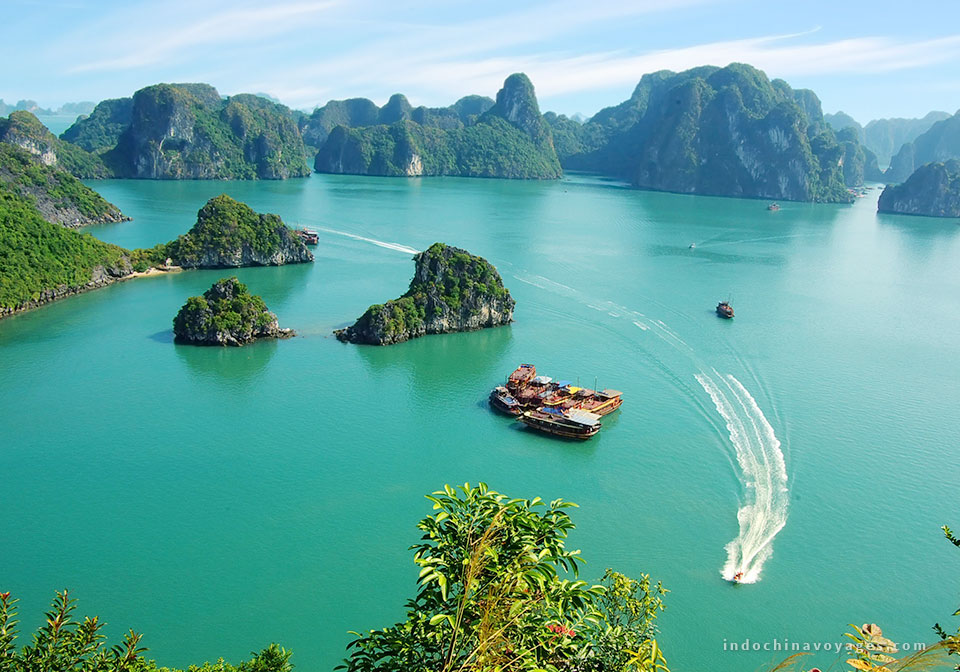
x=470, y=138
x=939, y=143
x=885, y=136
x=355, y=112
x=722, y=131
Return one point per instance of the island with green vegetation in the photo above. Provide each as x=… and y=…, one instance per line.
x=509, y=139
x=452, y=290
x=229, y=234
x=354, y=112
x=25, y=131
x=939, y=143
x=41, y=259
x=188, y=131
x=933, y=190
x=226, y=314
x=716, y=131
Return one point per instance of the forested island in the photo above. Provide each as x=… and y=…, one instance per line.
x=188, y=131
x=720, y=131
x=452, y=290
x=508, y=139
x=226, y=314
x=42, y=259
x=933, y=190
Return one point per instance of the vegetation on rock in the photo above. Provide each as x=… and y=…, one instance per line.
x=933, y=190
x=226, y=314
x=229, y=233
x=721, y=131
x=27, y=132
x=452, y=290
x=187, y=131
x=508, y=139
x=39, y=260
x=59, y=196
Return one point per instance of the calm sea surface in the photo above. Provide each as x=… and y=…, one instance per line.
x=218, y=500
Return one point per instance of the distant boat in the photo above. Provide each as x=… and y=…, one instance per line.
x=725, y=310
x=693, y=246
x=773, y=207
x=307, y=236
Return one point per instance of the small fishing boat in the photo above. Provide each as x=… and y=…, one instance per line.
x=521, y=377
x=572, y=424
x=725, y=310
x=503, y=401
x=773, y=207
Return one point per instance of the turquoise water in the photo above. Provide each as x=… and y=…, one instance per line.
x=218, y=500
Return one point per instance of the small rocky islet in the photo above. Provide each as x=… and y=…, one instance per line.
x=451, y=291
x=227, y=315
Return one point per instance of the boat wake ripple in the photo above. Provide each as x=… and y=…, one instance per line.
x=764, y=510
x=380, y=243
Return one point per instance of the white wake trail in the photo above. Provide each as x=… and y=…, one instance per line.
x=380, y=243
x=764, y=473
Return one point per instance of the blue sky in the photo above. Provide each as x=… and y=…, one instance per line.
x=870, y=59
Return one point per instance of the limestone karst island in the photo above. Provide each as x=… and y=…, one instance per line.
x=479, y=337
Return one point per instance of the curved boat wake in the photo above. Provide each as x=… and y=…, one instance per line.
x=379, y=243
x=764, y=511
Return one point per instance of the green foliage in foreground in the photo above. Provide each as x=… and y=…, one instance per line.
x=64, y=644
x=496, y=593
x=36, y=255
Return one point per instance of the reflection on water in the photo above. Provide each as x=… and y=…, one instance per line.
x=228, y=365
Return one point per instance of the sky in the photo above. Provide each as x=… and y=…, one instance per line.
x=870, y=59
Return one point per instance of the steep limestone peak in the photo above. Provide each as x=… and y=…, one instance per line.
x=397, y=108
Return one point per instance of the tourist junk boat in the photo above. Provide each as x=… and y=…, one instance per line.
x=773, y=207
x=521, y=376
x=307, y=236
x=572, y=424
x=601, y=403
x=725, y=310
x=502, y=400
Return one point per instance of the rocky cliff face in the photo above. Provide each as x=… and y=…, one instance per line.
x=941, y=142
x=933, y=190
x=187, y=131
x=226, y=314
x=509, y=140
x=25, y=131
x=451, y=291
x=719, y=131
x=229, y=234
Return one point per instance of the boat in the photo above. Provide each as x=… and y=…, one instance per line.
x=725, y=310
x=693, y=246
x=601, y=403
x=502, y=400
x=738, y=577
x=307, y=236
x=521, y=377
x=572, y=424
x=773, y=207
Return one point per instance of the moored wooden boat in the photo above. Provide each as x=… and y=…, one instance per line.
x=521, y=377
x=502, y=400
x=572, y=424
x=601, y=403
